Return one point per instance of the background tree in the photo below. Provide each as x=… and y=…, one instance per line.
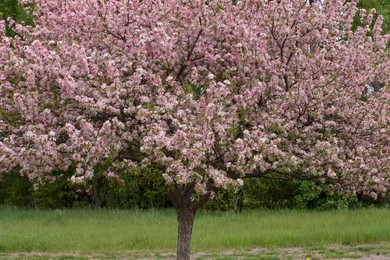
x=209, y=92
x=11, y=8
x=383, y=8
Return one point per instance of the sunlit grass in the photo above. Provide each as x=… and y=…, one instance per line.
x=87, y=230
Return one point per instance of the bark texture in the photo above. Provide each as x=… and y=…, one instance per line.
x=186, y=207
x=185, y=219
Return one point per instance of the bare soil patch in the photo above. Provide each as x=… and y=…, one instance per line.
x=380, y=251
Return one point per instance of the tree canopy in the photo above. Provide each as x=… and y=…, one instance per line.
x=209, y=91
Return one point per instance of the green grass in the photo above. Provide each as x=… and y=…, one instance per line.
x=109, y=231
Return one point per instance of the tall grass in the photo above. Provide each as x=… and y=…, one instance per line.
x=122, y=230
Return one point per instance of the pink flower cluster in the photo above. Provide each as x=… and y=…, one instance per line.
x=210, y=91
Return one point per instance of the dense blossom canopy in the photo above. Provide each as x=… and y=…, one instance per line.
x=209, y=91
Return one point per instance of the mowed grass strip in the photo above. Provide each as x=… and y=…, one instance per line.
x=88, y=230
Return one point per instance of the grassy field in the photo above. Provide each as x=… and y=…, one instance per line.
x=141, y=232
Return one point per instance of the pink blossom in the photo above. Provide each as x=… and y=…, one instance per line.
x=211, y=92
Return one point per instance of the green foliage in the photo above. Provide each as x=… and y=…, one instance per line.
x=277, y=194
x=139, y=188
x=58, y=195
x=15, y=190
x=145, y=189
x=11, y=9
x=311, y=197
x=382, y=7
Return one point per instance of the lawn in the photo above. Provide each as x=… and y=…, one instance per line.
x=135, y=232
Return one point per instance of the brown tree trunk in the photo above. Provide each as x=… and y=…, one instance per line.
x=186, y=207
x=96, y=195
x=185, y=219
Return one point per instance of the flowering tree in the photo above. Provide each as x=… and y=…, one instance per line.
x=209, y=91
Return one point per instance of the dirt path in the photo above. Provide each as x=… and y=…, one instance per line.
x=380, y=251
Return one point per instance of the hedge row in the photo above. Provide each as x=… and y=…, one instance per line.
x=146, y=189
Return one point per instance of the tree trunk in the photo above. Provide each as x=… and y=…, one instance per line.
x=185, y=219
x=186, y=207
x=96, y=195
